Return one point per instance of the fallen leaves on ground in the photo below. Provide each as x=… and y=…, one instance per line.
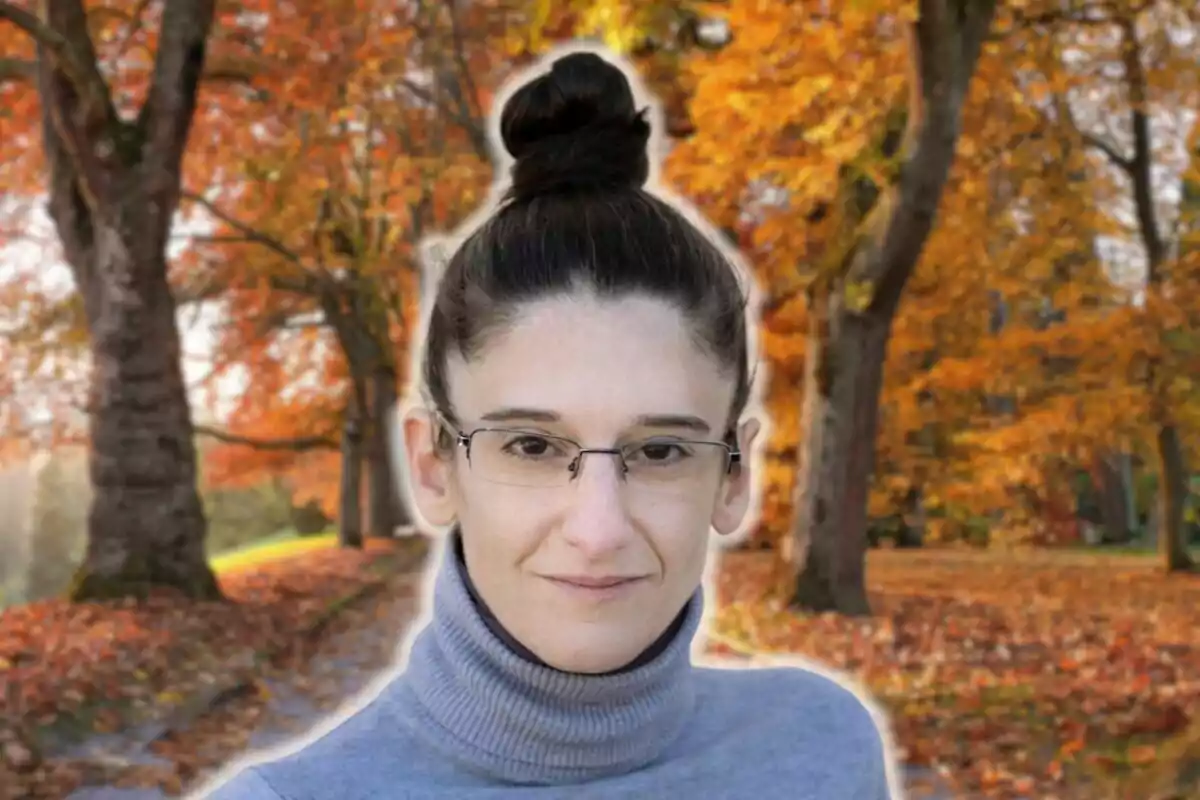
x=1011, y=677
x=359, y=645
x=103, y=665
x=1014, y=676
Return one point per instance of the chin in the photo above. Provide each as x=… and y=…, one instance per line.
x=591, y=657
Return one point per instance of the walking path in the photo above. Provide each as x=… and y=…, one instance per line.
x=154, y=762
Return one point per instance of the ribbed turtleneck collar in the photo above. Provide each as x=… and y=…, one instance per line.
x=501, y=715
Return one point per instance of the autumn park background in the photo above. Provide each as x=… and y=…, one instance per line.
x=976, y=225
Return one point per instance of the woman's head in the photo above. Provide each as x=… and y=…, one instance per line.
x=584, y=314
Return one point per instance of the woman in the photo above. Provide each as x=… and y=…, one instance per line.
x=586, y=366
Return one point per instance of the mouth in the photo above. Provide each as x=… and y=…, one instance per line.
x=599, y=584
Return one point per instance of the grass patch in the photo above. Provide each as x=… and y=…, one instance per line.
x=1142, y=550
x=284, y=545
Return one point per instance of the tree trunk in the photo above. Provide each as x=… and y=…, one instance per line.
x=385, y=508
x=878, y=234
x=114, y=188
x=1113, y=495
x=1173, y=477
x=1172, y=494
x=350, y=533
x=146, y=524
x=912, y=534
x=844, y=375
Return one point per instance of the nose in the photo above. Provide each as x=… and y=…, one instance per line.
x=598, y=522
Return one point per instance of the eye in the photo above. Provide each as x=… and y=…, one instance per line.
x=658, y=453
x=531, y=446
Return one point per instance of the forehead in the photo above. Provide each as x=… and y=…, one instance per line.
x=597, y=362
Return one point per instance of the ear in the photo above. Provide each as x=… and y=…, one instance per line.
x=733, y=501
x=430, y=473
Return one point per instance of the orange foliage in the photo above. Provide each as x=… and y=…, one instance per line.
x=1020, y=349
x=321, y=202
x=793, y=97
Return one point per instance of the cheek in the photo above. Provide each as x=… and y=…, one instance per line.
x=679, y=528
x=506, y=515
x=680, y=512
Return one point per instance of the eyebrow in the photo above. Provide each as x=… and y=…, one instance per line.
x=683, y=421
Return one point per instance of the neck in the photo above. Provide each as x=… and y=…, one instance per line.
x=512, y=643
x=516, y=719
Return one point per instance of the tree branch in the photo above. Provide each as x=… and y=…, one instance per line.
x=299, y=444
x=17, y=71
x=213, y=288
x=250, y=233
x=55, y=44
x=227, y=72
x=1141, y=166
x=1118, y=160
x=464, y=89
x=76, y=102
x=946, y=40
x=166, y=116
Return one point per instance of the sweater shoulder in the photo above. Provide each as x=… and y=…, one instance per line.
x=813, y=716
x=793, y=684
x=351, y=755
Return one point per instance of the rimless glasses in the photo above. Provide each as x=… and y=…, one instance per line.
x=515, y=457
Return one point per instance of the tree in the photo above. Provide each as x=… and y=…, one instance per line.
x=349, y=515
x=315, y=256
x=1138, y=170
x=114, y=184
x=1069, y=351
x=1031, y=394
x=806, y=129
x=1013, y=365
x=879, y=228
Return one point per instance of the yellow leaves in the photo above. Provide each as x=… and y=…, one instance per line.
x=829, y=128
x=611, y=20
x=857, y=295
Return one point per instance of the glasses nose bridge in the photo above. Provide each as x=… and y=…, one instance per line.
x=576, y=465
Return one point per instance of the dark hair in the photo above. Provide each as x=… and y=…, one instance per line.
x=576, y=216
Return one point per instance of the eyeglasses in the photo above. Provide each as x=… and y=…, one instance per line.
x=515, y=457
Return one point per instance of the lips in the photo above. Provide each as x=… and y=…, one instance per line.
x=595, y=582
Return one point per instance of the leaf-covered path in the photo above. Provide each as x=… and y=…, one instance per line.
x=1006, y=678
x=1028, y=675
x=134, y=714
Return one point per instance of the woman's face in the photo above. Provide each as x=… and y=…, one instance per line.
x=603, y=373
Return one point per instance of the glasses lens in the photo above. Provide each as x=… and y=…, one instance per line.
x=522, y=458
x=670, y=463
x=525, y=458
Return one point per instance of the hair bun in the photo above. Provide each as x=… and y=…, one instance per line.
x=575, y=128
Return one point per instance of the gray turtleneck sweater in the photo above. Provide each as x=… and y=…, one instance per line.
x=469, y=718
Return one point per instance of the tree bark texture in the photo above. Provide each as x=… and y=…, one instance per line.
x=841, y=398
x=385, y=507
x=878, y=235
x=361, y=326
x=1173, y=473
x=1172, y=499
x=1114, y=495
x=114, y=188
x=350, y=529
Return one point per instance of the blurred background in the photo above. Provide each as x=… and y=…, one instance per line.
x=976, y=230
